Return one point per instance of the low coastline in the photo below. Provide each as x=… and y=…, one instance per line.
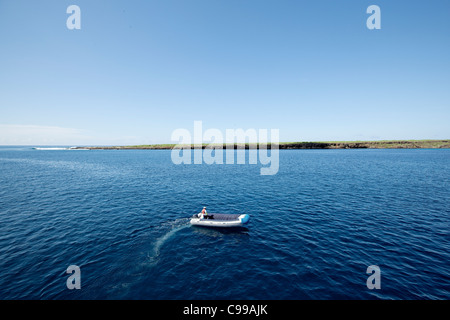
x=380, y=144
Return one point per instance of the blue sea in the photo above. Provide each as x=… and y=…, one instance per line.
x=122, y=217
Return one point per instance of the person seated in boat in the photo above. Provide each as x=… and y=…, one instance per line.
x=203, y=214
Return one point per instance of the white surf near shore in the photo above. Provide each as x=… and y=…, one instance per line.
x=57, y=148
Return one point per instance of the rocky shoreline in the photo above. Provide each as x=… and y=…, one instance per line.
x=382, y=144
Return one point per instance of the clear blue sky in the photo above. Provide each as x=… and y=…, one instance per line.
x=138, y=70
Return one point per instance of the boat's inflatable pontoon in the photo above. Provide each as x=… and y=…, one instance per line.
x=220, y=220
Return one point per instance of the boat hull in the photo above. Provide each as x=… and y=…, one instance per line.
x=221, y=221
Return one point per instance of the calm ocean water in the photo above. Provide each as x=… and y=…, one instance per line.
x=122, y=217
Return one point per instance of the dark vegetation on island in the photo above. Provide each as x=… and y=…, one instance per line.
x=381, y=144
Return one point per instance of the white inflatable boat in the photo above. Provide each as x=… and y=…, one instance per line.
x=220, y=220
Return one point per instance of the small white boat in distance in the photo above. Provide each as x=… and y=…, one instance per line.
x=220, y=220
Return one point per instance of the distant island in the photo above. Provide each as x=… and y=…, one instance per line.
x=380, y=144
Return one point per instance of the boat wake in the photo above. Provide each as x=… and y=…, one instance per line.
x=140, y=270
x=176, y=226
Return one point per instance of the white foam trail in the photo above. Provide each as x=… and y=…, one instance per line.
x=160, y=241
